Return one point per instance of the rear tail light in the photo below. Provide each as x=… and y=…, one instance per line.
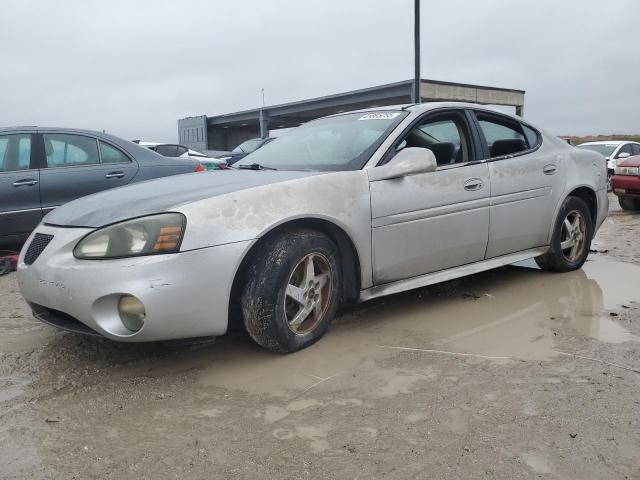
x=200, y=168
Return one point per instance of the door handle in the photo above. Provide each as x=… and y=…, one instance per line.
x=114, y=175
x=27, y=182
x=549, y=169
x=473, y=184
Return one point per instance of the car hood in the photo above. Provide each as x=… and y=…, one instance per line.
x=630, y=162
x=160, y=195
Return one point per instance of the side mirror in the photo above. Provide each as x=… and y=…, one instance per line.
x=623, y=155
x=408, y=161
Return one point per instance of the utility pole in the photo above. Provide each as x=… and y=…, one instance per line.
x=263, y=119
x=416, y=42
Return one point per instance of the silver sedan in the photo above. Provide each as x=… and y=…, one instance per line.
x=343, y=209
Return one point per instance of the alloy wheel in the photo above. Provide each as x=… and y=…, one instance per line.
x=308, y=293
x=573, y=237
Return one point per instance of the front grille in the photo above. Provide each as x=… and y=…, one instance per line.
x=61, y=320
x=38, y=244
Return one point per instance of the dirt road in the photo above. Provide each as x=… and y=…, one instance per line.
x=514, y=373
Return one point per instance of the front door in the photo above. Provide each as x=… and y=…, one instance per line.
x=432, y=221
x=20, y=210
x=526, y=181
x=79, y=165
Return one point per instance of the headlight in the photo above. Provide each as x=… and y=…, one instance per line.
x=150, y=235
x=627, y=171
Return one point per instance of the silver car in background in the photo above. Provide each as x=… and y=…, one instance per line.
x=343, y=209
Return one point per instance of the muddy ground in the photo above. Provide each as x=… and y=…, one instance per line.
x=513, y=373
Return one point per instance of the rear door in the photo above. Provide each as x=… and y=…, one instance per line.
x=20, y=210
x=79, y=165
x=526, y=181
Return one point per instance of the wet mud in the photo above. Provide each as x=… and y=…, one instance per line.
x=512, y=373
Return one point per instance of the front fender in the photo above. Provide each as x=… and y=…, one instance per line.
x=341, y=198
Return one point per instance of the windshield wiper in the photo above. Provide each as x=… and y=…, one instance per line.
x=255, y=166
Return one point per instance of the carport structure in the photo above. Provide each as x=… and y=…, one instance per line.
x=225, y=132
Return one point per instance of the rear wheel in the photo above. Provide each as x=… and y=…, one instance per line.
x=629, y=203
x=571, y=239
x=292, y=290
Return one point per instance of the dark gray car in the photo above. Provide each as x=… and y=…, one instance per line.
x=42, y=168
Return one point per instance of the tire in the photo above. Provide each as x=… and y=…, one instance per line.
x=609, y=175
x=286, y=306
x=575, y=236
x=629, y=203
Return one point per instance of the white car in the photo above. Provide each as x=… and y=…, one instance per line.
x=613, y=150
x=180, y=151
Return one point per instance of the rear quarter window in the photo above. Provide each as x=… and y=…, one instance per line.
x=533, y=137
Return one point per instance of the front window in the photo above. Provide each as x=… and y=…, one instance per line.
x=444, y=134
x=603, y=149
x=248, y=146
x=342, y=142
x=15, y=152
x=626, y=148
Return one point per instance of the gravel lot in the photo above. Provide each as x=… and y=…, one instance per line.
x=513, y=373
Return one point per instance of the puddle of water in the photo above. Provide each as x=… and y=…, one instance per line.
x=516, y=312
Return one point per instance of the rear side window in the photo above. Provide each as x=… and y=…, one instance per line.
x=15, y=152
x=503, y=136
x=636, y=149
x=532, y=136
x=65, y=150
x=167, y=150
x=111, y=154
x=180, y=151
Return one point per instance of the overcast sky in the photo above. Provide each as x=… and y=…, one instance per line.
x=134, y=68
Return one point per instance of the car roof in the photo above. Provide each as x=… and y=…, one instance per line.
x=424, y=107
x=607, y=142
x=80, y=131
x=33, y=128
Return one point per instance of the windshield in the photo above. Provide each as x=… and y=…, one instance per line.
x=605, y=150
x=248, y=146
x=343, y=142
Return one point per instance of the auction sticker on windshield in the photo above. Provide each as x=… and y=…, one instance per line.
x=379, y=116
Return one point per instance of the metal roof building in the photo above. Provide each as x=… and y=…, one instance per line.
x=225, y=132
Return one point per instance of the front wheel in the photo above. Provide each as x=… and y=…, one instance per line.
x=629, y=203
x=571, y=238
x=292, y=290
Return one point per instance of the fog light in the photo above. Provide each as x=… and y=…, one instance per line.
x=132, y=312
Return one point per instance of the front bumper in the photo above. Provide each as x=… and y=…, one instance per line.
x=626, y=186
x=185, y=294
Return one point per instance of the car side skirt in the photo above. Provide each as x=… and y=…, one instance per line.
x=449, y=274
